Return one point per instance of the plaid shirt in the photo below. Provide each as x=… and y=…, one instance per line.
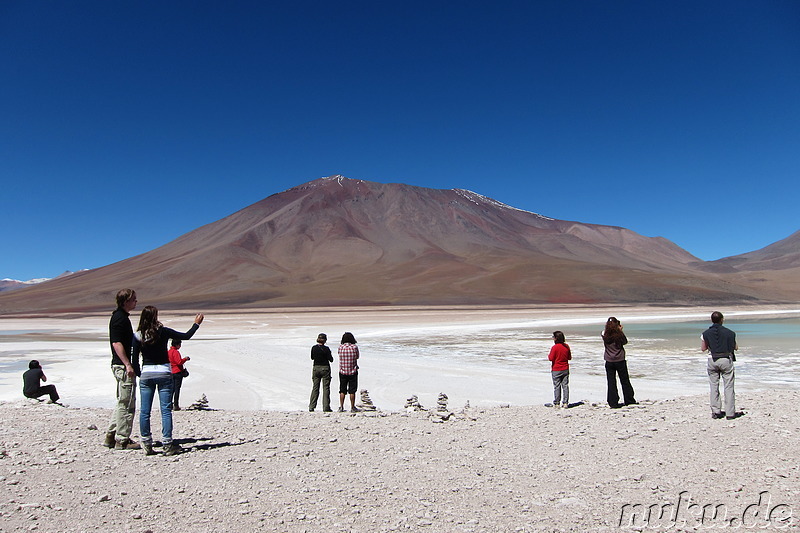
x=348, y=355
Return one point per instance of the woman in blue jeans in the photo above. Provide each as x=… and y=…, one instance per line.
x=150, y=340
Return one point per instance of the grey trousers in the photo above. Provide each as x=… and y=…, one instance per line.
x=560, y=386
x=721, y=368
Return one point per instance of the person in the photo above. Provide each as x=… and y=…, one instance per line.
x=321, y=372
x=150, y=339
x=615, y=340
x=720, y=343
x=176, y=362
x=120, y=334
x=348, y=371
x=32, y=388
x=560, y=355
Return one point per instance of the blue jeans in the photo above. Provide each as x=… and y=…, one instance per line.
x=148, y=384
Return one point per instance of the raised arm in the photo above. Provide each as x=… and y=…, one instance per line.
x=172, y=334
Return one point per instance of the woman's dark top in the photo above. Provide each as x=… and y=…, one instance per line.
x=156, y=353
x=615, y=352
x=321, y=355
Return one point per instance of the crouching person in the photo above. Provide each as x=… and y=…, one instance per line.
x=32, y=387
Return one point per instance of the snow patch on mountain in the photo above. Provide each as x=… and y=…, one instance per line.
x=338, y=178
x=28, y=282
x=479, y=199
x=8, y=284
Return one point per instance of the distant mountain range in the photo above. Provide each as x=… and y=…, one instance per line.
x=337, y=241
x=13, y=284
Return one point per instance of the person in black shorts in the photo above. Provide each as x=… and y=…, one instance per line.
x=348, y=371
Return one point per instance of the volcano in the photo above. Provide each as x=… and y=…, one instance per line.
x=337, y=242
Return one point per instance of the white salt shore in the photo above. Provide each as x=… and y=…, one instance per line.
x=253, y=360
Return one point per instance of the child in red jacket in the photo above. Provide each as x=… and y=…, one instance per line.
x=560, y=355
x=178, y=372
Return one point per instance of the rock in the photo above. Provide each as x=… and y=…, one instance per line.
x=200, y=405
x=412, y=404
x=441, y=403
x=366, y=403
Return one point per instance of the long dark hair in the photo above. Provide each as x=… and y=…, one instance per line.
x=613, y=330
x=149, y=324
x=348, y=338
x=558, y=337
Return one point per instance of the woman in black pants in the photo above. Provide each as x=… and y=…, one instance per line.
x=615, y=340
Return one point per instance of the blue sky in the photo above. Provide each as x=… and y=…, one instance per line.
x=127, y=124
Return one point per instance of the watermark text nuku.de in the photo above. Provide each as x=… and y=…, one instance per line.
x=762, y=513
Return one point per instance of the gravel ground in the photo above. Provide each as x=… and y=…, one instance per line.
x=587, y=468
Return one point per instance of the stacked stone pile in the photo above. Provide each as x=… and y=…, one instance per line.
x=441, y=403
x=200, y=405
x=442, y=412
x=412, y=404
x=366, y=403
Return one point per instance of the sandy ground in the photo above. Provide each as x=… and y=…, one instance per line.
x=506, y=463
x=657, y=466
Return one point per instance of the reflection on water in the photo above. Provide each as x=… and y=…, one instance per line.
x=769, y=350
x=4, y=332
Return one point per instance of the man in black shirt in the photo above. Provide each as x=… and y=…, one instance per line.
x=32, y=387
x=721, y=345
x=120, y=333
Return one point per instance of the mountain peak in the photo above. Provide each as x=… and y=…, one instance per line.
x=341, y=241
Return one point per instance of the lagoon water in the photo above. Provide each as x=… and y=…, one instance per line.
x=768, y=356
x=260, y=360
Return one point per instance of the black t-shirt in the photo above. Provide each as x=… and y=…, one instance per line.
x=321, y=355
x=156, y=353
x=120, y=330
x=31, y=379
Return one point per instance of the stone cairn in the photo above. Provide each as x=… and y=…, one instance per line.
x=412, y=404
x=442, y=412
x=200, y=405
x=366, y=403
x=441, y=403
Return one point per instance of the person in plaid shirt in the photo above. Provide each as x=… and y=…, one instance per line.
x=348, y=371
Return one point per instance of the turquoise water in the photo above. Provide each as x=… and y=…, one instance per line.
x=769, y=350
x=23, y=331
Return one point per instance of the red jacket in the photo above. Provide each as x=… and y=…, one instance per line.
x=175, y=360
x=560, y=354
